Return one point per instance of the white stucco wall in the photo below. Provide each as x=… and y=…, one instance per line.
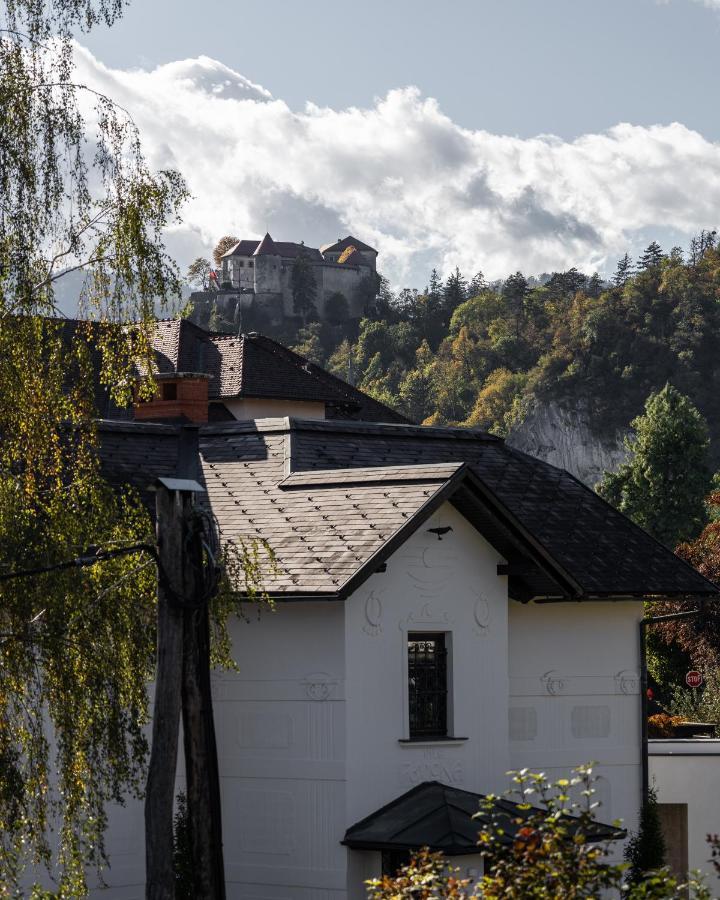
x=688, y=771
x=310, y=729
x=251, y=408
x=281, y=740
x=280, y=727
x=574, y=696
x=449, y=585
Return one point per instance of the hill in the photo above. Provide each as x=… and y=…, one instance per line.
x=559, y=365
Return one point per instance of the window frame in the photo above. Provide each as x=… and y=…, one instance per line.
x=439, y=625
x=432, y=668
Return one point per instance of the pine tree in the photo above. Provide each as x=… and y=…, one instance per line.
x=645, y=851
x=515, y=291
x=623, y=271
x=434, y=289
x=594, y=286
x=476, y=285
x=304, y=288
x=663, y=485
x=652, y=257
x=454, y=292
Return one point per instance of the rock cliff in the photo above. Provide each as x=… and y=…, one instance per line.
x=564, y=436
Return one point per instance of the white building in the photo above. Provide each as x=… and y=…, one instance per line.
x=447, y=609
x=686, y=776
x=260, y=272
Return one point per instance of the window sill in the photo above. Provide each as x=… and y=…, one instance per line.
x=446, y=741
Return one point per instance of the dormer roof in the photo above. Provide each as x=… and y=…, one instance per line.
x=349, y=241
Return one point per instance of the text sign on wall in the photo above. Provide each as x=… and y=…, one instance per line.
x=693, y=679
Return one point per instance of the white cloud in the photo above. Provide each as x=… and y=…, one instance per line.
x=406, y=178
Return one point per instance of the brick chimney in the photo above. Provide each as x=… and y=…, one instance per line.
x=180, y=397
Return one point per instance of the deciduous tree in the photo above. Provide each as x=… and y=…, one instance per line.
x=226, y=242
x=199, y=271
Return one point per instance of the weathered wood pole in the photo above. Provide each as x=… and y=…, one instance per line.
x=172, y=515
x=201, y=763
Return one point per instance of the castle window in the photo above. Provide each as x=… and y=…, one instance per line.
x=250, y=264
x=169, y=391
x=427, y=685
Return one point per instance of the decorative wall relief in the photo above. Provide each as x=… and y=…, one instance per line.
x=433, y=765
x=554, y=682
x=319, y=686
x=431, y=565
x=481, y=615
x=427, y=615
x=627, y=682
x=373, y=614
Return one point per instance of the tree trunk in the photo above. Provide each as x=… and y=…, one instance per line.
x=172, y=512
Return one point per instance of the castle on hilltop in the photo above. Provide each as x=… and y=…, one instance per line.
x=263, y=276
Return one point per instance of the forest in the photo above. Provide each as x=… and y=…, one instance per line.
x=467, y=352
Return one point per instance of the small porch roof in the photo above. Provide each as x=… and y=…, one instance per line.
x=440, y=817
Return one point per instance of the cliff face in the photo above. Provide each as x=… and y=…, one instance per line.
x=565, y=437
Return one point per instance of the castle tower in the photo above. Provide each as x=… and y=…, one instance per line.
x=268, y=267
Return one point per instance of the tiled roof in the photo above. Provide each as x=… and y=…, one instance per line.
x=256, y=366
x=285, y=249
x=242, y=248
x=343, y=243
x=335, y=499
x=599, y=549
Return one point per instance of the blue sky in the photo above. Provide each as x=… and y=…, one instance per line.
x=485, y=72
x=520, y=67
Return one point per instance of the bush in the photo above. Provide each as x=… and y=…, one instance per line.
x=540, y=848
x=645, y=851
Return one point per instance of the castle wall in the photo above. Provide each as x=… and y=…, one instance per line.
x=269, y=277
x=347, y=280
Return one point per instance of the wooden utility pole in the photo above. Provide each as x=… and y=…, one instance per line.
x=201, y=764
x=172, y=513
x=183, y=684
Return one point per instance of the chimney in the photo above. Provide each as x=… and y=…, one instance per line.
x=179, y=397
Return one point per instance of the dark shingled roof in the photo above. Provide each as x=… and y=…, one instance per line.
x=343, y=243
x=256, y=366
x=440, y=817
x=335, y=499
x=267, y=246
x=243, y=248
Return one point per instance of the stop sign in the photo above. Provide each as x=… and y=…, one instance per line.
x=693, y=679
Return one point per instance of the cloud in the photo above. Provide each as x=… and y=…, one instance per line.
x=404, y=177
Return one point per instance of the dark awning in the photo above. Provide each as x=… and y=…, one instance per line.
x=440, y=817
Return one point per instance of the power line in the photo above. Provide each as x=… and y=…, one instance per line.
x=91, y=557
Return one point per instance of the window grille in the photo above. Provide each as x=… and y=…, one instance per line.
x=427, y=683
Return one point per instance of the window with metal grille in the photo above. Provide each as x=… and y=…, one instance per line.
x=427, y=685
